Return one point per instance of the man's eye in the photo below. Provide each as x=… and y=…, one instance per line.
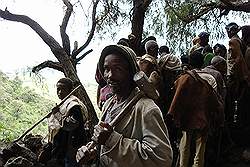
x=118, y=69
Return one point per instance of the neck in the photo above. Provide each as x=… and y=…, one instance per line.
x=124, y=94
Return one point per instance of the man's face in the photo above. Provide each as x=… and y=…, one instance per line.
x=116, y=73
x=62, y=90
x=217, y=51
x=204, y=41
x=153, y=51
x=231, y=33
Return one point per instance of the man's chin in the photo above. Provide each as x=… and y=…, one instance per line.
x=115, y=90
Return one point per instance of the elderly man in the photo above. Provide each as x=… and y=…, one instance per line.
x=217, y=69
x=132, y=131
x=151, y=48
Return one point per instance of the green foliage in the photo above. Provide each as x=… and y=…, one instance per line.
x=169, y=20
x=20, y=108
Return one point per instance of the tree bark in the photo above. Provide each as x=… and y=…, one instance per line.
x=139, y=9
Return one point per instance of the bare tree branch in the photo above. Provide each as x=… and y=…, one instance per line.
x=92, y=31
x=85, y=54
x=48, y=39
x=102, y=18
x=64, y=35
x=49, y=64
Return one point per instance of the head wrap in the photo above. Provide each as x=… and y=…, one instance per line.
x=124, y=51
x=169, y=61
x=217, y=60
x=203, y=35
x=66, y=81
x=149, y=58
x=233, y=27
x=151, y=44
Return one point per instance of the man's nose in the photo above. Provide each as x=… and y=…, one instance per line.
x=59, y=92
x=110, y=74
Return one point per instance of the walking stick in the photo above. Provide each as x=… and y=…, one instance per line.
x=117, y=119
x=47, y=115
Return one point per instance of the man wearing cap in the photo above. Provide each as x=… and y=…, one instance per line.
x=151, y=48
x=164, y=50
x=204, y=38
x=132, y=131
x=238, y=79
x=203, y=41
x=217, y=69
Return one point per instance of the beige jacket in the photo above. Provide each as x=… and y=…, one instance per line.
x=55, y=120
x=140, y=139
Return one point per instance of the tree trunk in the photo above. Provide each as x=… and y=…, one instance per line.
x=61, y=55
x=139, y=9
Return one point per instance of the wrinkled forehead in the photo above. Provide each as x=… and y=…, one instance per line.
x=116, y=59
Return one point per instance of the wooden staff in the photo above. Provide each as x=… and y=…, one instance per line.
x=121, y=115
x=47, y=115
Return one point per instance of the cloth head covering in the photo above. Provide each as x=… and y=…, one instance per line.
x=151, y=43
x=124, y=51
x=169, y=61
x=217, y=60
x=233, y=27
x=149, y=58
x=164, y=49
x=196, y=40
x=204, y=35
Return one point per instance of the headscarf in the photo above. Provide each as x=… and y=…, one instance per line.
x=124, y=51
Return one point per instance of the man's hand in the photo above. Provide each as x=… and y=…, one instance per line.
x=102, y=132
x=85, y=154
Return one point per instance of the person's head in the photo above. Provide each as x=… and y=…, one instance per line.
x=147, y=64
x=123, y=41
x=196, y=59
x=232, y=29
x=220, y=50
x=164, y=49
x=151, y=48
x=118, y=65
x=220, y=64
x=196, y=40
x=204, y=38
x=131, y=38
x=64, y=87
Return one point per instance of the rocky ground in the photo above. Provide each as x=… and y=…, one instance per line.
x=25, y=154
x=21, y=154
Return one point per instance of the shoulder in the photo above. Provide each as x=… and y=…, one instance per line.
x=185, y=78
x=146, y=105
x=74, y=103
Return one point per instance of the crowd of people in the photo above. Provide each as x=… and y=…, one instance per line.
x=201, y=98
